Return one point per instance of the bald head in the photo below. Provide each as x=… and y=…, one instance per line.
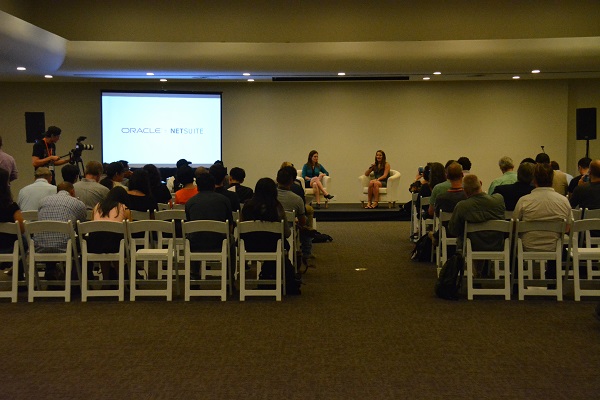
x=472, y=185
x=455, y=172
x=595, y=171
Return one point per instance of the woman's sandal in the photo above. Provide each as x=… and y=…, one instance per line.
x=374, y=205
x=368, y=205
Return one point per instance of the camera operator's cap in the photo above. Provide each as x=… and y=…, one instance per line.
x=53, y=131
x=42, y=172
x=183, y=162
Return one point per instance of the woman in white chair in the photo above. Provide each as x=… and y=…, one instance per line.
x=312, y=174
x=381, y=172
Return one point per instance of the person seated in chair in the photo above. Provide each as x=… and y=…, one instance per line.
x=381, y=172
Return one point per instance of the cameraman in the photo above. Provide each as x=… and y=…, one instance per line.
x=44, y=151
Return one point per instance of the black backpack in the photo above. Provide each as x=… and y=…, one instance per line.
x=422, y=250
x=450, y=279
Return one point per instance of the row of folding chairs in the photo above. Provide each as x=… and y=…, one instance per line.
x=513, y=264
x=144, y=243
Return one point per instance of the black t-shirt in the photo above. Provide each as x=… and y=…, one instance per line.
x=40, y=150
x=7, y=214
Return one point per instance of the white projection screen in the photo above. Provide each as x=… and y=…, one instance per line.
x=161, y=127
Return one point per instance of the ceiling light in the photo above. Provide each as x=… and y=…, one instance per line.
x=150, y=73
x=426, y=78
x=437, y=73
x=535, y=71
x=21, y=69
x=516, y=77
x=163, y=80
x=48, y=76
x=341, y=73
x=250, y=80
x=246, y=74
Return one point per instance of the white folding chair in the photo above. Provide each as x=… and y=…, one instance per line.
x=537, y=285
x=178, y=216
x=151, y=252
x=163, y=206
x=499, y=258
x=294, y=238
x=589, y=253
x=425, y=223
x=14, y=257
x=249, y=227
x=37, y=288
x=84, y=229
x=215, y=258
x=414, y=218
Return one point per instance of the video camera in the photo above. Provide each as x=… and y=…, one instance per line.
x=79, y=148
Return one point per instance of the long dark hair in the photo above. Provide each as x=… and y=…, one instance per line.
x=264, y=205
x=5, y=194
x=153, y=174
x=310, y=156
x=380, y=166
x=140, y=181
x=117, y=195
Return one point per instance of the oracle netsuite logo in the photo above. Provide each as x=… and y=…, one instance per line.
x=175, y=131
x=140, y=130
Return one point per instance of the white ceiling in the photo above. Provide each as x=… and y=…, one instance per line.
x=199, y=40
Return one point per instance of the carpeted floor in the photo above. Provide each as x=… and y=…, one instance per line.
x=367, y=326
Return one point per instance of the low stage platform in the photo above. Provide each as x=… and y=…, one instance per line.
x=338, y=212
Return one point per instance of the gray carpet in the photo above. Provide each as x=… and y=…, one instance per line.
x=367, y=326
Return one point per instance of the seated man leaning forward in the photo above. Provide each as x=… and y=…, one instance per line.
x=478, y=207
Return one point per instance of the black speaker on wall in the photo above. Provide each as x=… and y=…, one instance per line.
x=35, y=126
x=586, y=123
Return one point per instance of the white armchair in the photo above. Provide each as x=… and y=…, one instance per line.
x=309, y=192
x=389, y=193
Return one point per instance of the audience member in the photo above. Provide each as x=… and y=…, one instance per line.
x=44, y=152
x=465, y=163
x=559, y=180
x=312, y=174
x=508, y=175
x=556, y=167
x=298, y=188
x=30, y=196
x=172, y=183
x=8, y=163
x=448, y=200
x=126, y=172
x=88, y=189
x=381, y=172
x=478, y=207
x=583, y=166
x=542, y=204
x=219, y=172
x=9, y=212
x=140, y=195
x=70, y=173
x=185, y=177
x=438, y=188
x=113, y=207
x=514, y=191
x=588, y=195
x=159, y=190
x=61, y=206
x=562, y=183
x=115, y=172
x=236, y=178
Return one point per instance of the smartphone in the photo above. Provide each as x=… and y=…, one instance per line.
x=421, y=169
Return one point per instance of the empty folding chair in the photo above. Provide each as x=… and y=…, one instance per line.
x=150, y=252
x=500, y=258
x=37, y=288
x=247, y=228
x=213, y=258
x=88, y=232
x=14, y=257
x=536, y=284
x=178, y=216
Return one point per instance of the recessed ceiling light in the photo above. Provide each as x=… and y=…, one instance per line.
x=150, y=73
x=21, y=69
x=246, y=74
x=163, y=80
x=48, y=76
x=535, y=71
x=516, y=77
x=250, y=80
x=437, y=73
x=341, y=73
x=426, y=78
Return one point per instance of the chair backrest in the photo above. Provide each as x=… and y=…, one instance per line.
x=85, y=228
x=163, y=206
x=584, y=225
x=508, y=215
x=260, y=226
x=12, y=228
x=61, y=227
x=544, y=226
x=424, y=201
x=445, y=216
x=496, y=225
x=290, y=216
x=205, y=226
x=576, y=214
x=179, y=206
x=236, y=216
x=140, y=215
x=31, y=215
x=587, y=213
x=168, y=215
x=148, y=226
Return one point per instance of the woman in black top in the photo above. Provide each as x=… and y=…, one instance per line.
x=9, y=212
x=159, y=190
x=140, y=195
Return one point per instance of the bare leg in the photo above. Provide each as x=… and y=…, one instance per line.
x=316, y=192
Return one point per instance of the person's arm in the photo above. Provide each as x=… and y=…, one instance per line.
x=14, y=173
x=18, y=218
x=324, y=171
x=305, y=170
x=369, y=170
x=386, y=172
x=40, y=162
